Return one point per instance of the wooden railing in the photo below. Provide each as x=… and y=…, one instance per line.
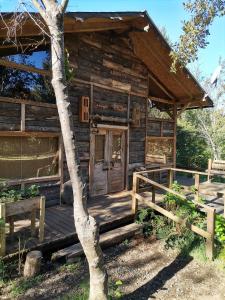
x=210, y=211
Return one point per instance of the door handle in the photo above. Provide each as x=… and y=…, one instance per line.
x=105, y=166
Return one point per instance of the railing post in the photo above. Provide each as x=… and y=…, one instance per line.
x=209, y=169
x=224, y=204
x=170, y=175
x=134, y=190
x=153, y=193
x=211, y=230
x=2, y=229
x=197, y=181
x=42, y=219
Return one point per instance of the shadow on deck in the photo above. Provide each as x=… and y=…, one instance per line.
x=110, y=211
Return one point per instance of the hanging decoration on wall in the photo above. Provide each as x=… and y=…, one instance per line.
x=84, y=109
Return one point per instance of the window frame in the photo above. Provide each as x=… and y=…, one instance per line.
x=38, y=134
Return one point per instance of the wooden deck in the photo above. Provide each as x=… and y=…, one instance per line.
x=110, y=211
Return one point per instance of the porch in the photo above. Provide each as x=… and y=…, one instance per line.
x=111, y=211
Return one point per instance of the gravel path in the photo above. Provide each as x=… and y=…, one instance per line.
x=150, y=272
x=147, y=271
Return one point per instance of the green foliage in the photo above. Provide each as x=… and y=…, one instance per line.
x=81, y=294
x=220, y=229
x=82, y=291
x=20, y=286
x=69, y=267
x=192, y=149
x=69, y=71
x=26, y=85
x=175, y=235
x=196, y=30
x=8, y=194
x=115, y=290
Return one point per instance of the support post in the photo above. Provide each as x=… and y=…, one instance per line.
x=170, y=174
x=2, y=230
x=11, y=225
x=23, y=117
x=197, y=181
x=32, y=223
x=153, y=193
x=209, y=169
x=211, y=229
x=42, y=219
x=224, y=204
x=134, y=190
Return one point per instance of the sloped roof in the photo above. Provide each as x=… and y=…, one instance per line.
x=148, y=43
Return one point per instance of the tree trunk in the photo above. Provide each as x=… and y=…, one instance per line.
x=86, y=226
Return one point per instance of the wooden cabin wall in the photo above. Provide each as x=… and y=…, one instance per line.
x=20, y=117
x=117, y=81
x=106, y=70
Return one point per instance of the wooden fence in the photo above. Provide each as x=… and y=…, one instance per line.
x=210, y=211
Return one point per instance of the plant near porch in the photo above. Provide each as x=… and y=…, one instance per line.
x=178, y=236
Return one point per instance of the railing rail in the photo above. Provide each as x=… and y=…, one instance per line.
x=210, y=211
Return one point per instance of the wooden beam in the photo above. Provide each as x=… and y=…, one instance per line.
x=106, y=87
x=161, y=100
x=28, y=102
x=183, y=109
x=112, y=126
x=12, y=64
x=42, y=219
x=29, y=133
x=161, y=86
x=30, y=29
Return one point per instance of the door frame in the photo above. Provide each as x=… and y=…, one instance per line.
x=126, y=152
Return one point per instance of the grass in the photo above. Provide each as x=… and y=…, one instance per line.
x=69, y=267
x=81, y=294
x=19, y=287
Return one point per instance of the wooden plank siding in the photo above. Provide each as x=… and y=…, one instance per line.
x=107, y=71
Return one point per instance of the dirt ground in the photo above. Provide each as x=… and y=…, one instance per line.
x=147, y=271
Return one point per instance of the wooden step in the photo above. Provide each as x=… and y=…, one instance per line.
x=107, y=239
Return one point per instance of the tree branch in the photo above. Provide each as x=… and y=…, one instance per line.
x=39, y=8
x=63, y=5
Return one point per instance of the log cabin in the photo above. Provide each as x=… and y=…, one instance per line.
x=124, y=100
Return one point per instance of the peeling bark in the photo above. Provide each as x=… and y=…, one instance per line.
x=86, y=226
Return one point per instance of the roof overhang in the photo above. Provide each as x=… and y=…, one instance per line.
x=148, y=44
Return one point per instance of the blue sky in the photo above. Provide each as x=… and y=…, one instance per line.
x=165, y=13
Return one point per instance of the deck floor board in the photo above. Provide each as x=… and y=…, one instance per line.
x=59, y=221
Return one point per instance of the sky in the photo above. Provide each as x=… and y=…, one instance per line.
x=164, y=13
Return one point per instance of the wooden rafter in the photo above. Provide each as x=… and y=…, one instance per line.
x=161, y=100
x=11, y=64
x=156, y=81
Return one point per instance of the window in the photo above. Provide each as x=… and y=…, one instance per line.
x=116, y=148
x=23, y=157
x=99, y=148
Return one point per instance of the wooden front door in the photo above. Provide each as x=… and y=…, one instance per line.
x=107, y=161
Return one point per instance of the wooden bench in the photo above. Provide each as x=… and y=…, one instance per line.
x=8, y=211
x=216, y=168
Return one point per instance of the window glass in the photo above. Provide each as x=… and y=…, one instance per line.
x=99, y=147
x=116, y=147
x=28, y=157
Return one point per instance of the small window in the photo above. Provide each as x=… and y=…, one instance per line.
x=99, y=148
x=116, y=147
